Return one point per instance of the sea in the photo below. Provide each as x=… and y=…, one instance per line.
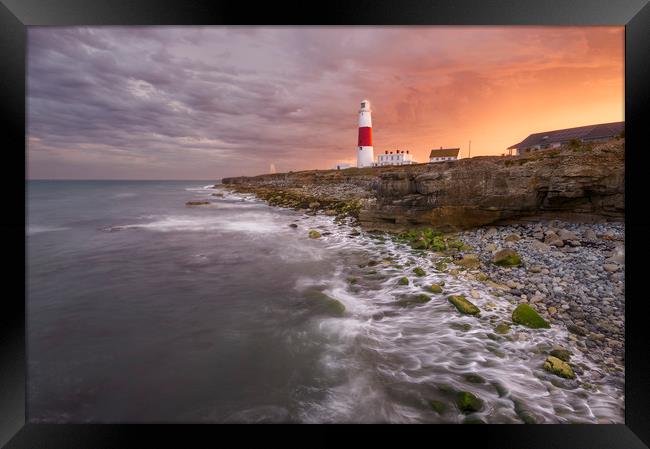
x=142, y=309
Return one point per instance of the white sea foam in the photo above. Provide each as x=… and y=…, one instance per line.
x=38, y=229
x=244, y=222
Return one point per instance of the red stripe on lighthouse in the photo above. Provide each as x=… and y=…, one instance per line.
x=365, y=136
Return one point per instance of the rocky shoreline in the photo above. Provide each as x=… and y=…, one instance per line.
x=575, y=279
x=569, y=272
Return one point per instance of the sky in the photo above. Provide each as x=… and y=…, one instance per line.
x=211, y=102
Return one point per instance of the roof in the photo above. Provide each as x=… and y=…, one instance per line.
x=444, y=152
x=564, y=135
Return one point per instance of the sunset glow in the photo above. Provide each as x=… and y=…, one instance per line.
x=207, y=102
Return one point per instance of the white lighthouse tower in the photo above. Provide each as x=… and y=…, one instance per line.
x=365, y=156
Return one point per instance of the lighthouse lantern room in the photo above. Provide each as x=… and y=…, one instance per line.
x=365, y=156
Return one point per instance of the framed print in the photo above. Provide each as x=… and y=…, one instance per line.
x=368, y=213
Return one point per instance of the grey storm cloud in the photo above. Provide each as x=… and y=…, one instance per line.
x=207, y=102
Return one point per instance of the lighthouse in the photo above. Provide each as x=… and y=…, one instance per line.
x=365, y=156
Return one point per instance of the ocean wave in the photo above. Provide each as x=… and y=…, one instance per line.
x=245, y=222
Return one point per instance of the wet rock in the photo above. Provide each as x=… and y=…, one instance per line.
x=313, y=234
x=414, y=300
x=559, y=367
x=293, y=225
x=468, y=402
x=502, y=328
x=506, y=258
x=512, y=238
x=438, y=406
x=197, y=203
x=474, y=378
x=610, y=267
x=527, y=316
x=561, y=353
x=403, y=281
x=418, y=272
x=435, y=288
x=463, y=305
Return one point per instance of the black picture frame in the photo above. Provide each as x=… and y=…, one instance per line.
x=16, y=15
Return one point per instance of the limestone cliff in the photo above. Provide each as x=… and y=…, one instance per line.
x=581, y=183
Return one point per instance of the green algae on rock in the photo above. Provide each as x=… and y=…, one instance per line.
x=527, y=316
x=413, y=300
x=474, y=378
x=314, y=234
x=561, y=353
x=502, y=328
x=418, y=272
x=506, y=258
x=438, y=406
x=559, y=367
x=468, y=402
x=463, y=305
x=435, y=288
x=403, y=281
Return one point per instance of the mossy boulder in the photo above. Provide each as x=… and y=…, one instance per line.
x=559, y=367
x=463, y=305
x=438, y=406
x=197, y=203
x=474, y=378
x=561, y=353
x=418, y=272
x=527, y=316
x=414, y=300
x=506, y=258
x=469, y=261
x=441, y=266
x=314, y=234
x=502, y=328
x=403, y=281
x=435, y=288
x=468, y=402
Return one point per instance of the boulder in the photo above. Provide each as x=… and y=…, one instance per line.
x=561, y=353
x=468, y=402
x=512, y=238
x=435, y=288
x=567, y=235
x=559, y=367
x=552, y=239
x=197, y=203
x=463, y=305
x=506, y=258
x=403, y=281
x=418, y=272
x=540, y=246
x=490, y=247
x=293, y=225
x=527, y=316
x=438, y=406
x=590, y=235
x=314, y=234
x=469, y=261
x=414, y=300
x=502, y=328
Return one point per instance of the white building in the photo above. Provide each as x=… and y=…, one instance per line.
x=444, y=154
x=395, y=158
